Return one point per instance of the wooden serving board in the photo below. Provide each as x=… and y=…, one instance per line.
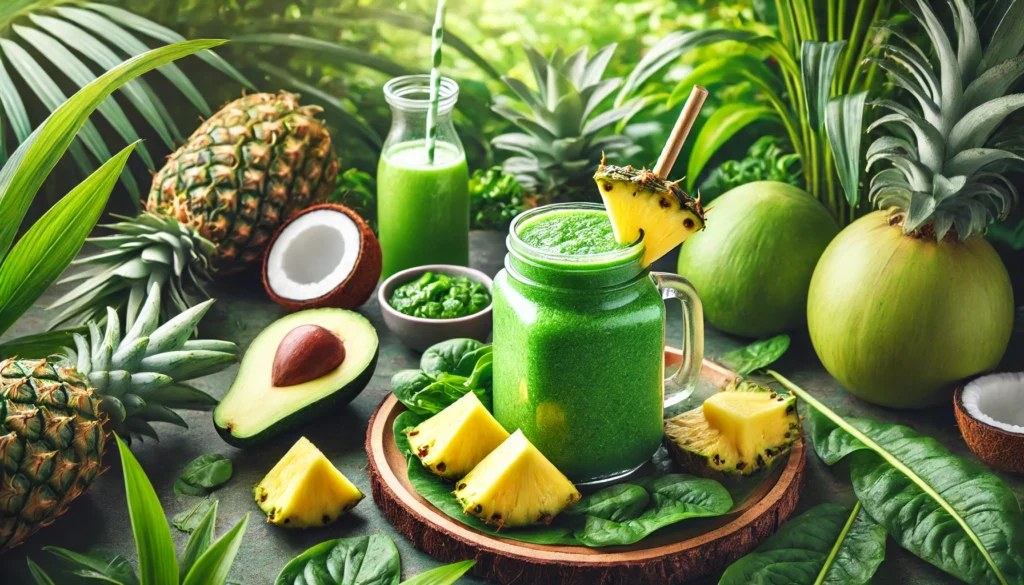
x=679, y=553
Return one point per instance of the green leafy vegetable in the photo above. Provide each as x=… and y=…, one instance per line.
x=439, y=296
x=757, y=355
x=204, y=474
x=495, y=199
x=452, y=356
x=945, y=509
x=189, y=520
x=619, y=515
x=827, y=545
x=449, y=370
x=770, y=158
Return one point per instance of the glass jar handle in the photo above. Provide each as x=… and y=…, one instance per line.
x=680, y=385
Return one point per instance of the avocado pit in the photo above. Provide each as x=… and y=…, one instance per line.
x=306, y=353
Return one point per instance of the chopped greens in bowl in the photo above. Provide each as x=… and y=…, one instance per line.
x=439, y=296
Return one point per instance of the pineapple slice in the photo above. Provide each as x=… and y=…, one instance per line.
x=305, y=490
x=738, y=431
x=452, y=442
x=640, y=202
x=516, y=486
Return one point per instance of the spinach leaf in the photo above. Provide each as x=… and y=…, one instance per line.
x=444, y=575
x=619, y=515
x=945, y=509
x=189, y=520
x=425, y=394
x=203, y=474
x=362, y=560
x=447, y=357
x=757, y=355
x=827, y=545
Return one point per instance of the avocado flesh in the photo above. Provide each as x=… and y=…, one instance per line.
x=255, y=410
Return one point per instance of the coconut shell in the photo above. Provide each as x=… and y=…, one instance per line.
x=354, y=290
x=997, y=447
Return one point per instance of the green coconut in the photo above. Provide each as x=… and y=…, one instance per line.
x=752, y=263
x=898, y=320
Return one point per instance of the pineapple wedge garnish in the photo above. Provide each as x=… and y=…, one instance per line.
x=641, y=202
x=305, y=490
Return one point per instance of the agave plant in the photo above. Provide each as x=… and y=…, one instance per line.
x=911, y=298
x=205, y=561
x=58, y=33
x=29, y=267
x=562, y=125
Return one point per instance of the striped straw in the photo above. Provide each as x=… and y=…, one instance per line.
x=435, y=80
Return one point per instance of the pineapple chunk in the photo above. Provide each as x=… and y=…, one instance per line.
x=452, y=442
x=738, y=431
x=516, y=486
x=305, y=490
x=641, y=203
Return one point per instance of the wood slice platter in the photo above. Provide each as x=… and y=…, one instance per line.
x=676, y=554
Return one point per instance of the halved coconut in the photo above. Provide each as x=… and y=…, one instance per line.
x=326, y=256
x=990, y=412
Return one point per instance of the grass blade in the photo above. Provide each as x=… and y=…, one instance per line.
x=157, y=563
x=719, y=128
x=213, y=566
x=137, y=91
x=41, y=578
x=51, y=243
x=325, y=50
x=445, y=575
x=844, y=124
x=121, y=38
x=29, y=166
x=166, y=35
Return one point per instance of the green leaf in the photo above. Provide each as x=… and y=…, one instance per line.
x=731, y=68
x=976, y=126
x=362, y=560
x=718, y=129
x=1007, y=38
x=100, y=564
x=445, y=575
x=844, y=125
x=29, y=166
x=157, y=563
x=945, y=509
x=206, y=472
x=447, y=357
x=39, y=345
x=325, y=50
x=213, y=566
x=201, y=538
x=42, y=254
x=189, y=520
x=757, y=355
x=817, y=67
x=40, y=576
x=827, y=545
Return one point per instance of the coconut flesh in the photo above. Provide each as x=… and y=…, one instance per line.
x=313, y=255
x=997, y=400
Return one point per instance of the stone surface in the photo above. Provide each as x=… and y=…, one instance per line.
x=100, y=517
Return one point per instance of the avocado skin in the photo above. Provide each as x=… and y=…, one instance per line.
x=325, y=405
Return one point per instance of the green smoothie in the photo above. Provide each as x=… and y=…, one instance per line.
x=578, y=342
x=422, y=209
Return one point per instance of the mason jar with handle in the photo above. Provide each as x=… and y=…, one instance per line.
x=579, y=348
x=422, y=206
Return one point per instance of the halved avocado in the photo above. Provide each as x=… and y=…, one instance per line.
x=255, y=410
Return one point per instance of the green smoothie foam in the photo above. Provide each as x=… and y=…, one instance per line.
x=571, y=233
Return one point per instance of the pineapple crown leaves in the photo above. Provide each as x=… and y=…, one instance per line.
x=139, y=373
x=946, y=158
x=559, y=138
x=146, y=250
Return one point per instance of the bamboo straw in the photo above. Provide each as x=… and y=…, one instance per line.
x=435, y=80
x=670, y=153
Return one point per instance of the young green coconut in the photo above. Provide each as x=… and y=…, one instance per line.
x=911, y=298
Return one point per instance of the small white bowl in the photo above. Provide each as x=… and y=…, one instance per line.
x=419, y=333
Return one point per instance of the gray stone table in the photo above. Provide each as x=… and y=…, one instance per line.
x=100, y=517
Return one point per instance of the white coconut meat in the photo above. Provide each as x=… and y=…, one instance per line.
x=313, y=255
x=997, y=400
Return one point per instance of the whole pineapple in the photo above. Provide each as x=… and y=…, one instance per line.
x=559, y=146
x=55, y=413
x=213, y=207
